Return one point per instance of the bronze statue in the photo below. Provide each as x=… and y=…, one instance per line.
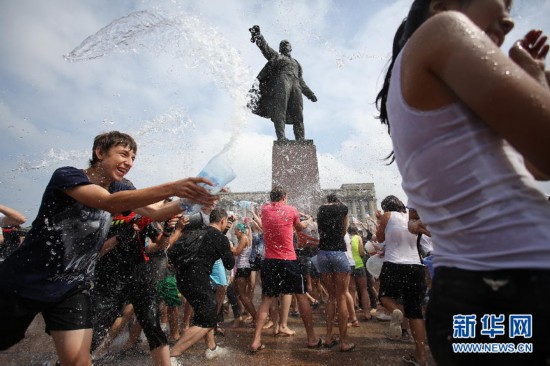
x=281, y=88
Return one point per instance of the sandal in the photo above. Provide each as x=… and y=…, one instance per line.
x=316, y=346
x=333, y=342
x=254, y=351
x=355, y=323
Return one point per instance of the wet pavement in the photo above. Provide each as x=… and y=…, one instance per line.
x=372, y=348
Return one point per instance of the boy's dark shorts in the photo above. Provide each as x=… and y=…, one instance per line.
x=282, y=277
x=17, y=313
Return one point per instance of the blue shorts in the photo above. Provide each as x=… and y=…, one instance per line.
x=330, y=261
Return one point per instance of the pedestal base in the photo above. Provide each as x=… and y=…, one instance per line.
x=295, y=168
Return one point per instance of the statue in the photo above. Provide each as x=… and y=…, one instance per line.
x=281, y=88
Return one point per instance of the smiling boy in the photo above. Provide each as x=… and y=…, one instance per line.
x=50, y=272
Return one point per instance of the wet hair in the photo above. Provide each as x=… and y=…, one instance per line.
x=368, y=235
x=217, y=215
x=392, y=203
x=277, y=194
x=241, y=227
x=107, y=140
x=332, y=198
x=418, y=14
x=352, y=230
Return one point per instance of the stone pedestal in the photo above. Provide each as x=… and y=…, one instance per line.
x=295, y=168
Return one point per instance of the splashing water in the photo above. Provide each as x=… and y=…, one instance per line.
x=53, y=156
x=184, y=37
x=172, y=122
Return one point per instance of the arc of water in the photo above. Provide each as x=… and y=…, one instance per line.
x=197, y=41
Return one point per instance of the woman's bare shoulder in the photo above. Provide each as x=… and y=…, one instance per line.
x=444, y=30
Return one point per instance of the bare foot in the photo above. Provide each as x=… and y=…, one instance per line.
x=236, y=323
x=347, y=347
x=268, y=325
x=285, y=332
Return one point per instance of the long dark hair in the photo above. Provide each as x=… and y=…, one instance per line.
x=392, y=203
x=419, y=12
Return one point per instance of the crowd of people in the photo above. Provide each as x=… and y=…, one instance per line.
x=472, y=239
x=89, y=273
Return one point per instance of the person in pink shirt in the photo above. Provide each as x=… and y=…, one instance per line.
x=281, y=272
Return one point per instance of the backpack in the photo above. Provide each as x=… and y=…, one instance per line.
x=185, y=249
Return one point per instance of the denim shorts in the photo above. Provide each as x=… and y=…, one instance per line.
x=331, y=261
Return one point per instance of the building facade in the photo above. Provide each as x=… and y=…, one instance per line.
x=359, y=197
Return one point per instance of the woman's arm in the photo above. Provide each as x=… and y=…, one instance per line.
x=178, y=231
x=415, y=225
x=161, y=243
x=13, y=217
x=256, y=218
x=381, y=228
x=346, y=224
x=361, y=249
x=515, y=104
x=243, y=243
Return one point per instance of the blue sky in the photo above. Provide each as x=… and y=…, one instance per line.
x=178, y=88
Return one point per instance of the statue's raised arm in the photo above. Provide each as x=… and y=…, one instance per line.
x=260, y=41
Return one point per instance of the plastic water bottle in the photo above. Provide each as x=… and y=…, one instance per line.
x=247, y=205
x=219, y=172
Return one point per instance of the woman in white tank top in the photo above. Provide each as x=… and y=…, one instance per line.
x=466, y=121
x=402, y=275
